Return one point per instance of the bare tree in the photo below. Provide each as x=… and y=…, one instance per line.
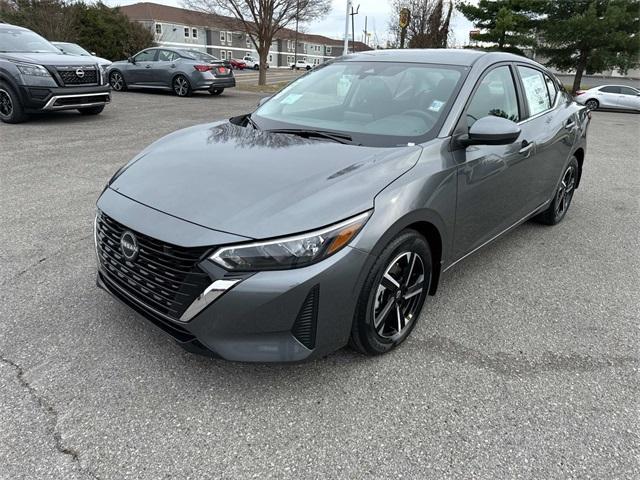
x=263, y=19
x=429, y=23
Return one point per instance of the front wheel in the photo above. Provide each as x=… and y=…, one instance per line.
x=181, y=86
x=256, y=67
x=116, y=80
x=563, y=196
x=11, y=110
x=392, y=295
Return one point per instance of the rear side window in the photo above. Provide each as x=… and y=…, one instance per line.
x=535, y=90
x=628, y=91
x=496, y=95
x=610, y=89
x=166, y=56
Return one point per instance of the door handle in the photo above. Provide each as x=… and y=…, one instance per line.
x=526, y=147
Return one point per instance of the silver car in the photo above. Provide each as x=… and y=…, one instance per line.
x=619, y=97
x=182, y=71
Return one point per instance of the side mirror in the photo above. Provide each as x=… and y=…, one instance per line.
x=491, y=130
x=263, y=100
x=93, y=53
x=131, y=60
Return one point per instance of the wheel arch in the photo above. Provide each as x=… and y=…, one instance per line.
x=431, y=233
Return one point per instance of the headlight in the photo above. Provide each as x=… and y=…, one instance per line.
x=290, y=252
x=33, y=70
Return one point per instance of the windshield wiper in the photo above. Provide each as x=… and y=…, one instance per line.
x=336, y=137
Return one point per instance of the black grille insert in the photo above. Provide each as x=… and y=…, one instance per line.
x=165, y=278
x=78, y=76
x=304, y=328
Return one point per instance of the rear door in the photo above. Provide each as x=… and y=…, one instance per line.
x=629, y=98
x=493, y=180
x=140, y=71
x=549, y=123
x=164, y=68
x=608, y=96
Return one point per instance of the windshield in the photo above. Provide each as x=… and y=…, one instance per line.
x=24, y=41
x=199, y=56
x=376, y=103
x=72, y=49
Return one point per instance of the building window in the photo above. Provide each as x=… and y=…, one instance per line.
x=270, y=58
x=158, y=29
x=247, y=54
x=248, y=41
x=223, y=55
x=186, y=32
x=229, y=57
x=222, y=37
x=194, y=32
x=329, y=50
x=229, y=38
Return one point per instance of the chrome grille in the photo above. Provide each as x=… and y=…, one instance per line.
x=69, y=76
x=165, y=278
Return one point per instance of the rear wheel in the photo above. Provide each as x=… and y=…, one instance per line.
x=592, y=104
x=116, y=80
x=181, y=86
x=563, y=196
x=91, y=110
x=216, y=91
x=11, y=110
x=393, y=295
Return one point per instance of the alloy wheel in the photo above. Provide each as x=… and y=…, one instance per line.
x=116, y=81
x=6, y=105
x=398, y=296
x=181, y=86
x=565, y=191
x=592, y=104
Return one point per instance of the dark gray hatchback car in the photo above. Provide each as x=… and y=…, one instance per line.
x=327, y=216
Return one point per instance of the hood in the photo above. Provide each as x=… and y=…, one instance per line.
x=258, y=184
x=54, y=59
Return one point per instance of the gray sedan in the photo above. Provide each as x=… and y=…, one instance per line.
x=327, y=216
x=179, y=70
x=615, y=97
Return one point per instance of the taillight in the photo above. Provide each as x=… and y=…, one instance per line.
x=221, y=70
x=203, y=68
x=580, y=92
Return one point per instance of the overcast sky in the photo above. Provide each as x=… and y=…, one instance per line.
x=377, y=12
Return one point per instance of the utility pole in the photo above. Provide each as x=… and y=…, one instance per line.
x=365, y=38
x=405, y=18
x=295, y=45
x=345, y=50
x=353, y=30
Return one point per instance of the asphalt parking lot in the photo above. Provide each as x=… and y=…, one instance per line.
x=525, y=365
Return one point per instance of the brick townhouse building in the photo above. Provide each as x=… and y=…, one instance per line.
x=225, y=37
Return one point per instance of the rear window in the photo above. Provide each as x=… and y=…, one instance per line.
x=198, y=56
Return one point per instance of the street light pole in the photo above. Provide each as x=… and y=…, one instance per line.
x=353, y=30
x=345, y=50
x=295, y=45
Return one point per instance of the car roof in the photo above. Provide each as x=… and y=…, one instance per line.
x=442, y=56
x=615, y=85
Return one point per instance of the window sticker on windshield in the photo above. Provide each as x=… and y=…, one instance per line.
x=291, y=98
x=436, y=105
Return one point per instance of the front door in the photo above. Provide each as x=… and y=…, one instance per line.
x=629, y=98
x=140, y=71
x=493, y=180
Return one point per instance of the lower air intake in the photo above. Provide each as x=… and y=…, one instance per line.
x=304, y=328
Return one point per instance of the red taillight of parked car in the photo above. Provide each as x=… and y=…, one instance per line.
x=203, y=68
x=222, y=70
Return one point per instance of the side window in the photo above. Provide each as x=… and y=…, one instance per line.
x=496, y=96
x=628, y=91
x=166, y=56
x=535, y=90
x=610, y=89
x=551, y=88
x=146, y=56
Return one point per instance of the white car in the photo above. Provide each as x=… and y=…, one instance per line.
x=69, y=48
x=301, y=65
x=619, y=97
x=252, y=62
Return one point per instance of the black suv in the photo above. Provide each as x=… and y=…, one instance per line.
x=36, y=77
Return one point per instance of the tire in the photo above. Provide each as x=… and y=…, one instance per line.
x=181, y=86
x=386, y=315
x=11, y=110
x=562, y=197
x=91, y=110
x=216, y=91
x=117, y=81
x=308, y=68
x=592, y=104
x=256, y=67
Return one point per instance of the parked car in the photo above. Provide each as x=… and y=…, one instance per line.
x=36, y=77
x=182, y=71
x=618, y=97
x=69, y=48
x=237, y=64
x=327, y=216
x=301, y=65
x=252, y=62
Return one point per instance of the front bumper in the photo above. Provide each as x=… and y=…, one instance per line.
x=275, y=316
x=38, y=99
